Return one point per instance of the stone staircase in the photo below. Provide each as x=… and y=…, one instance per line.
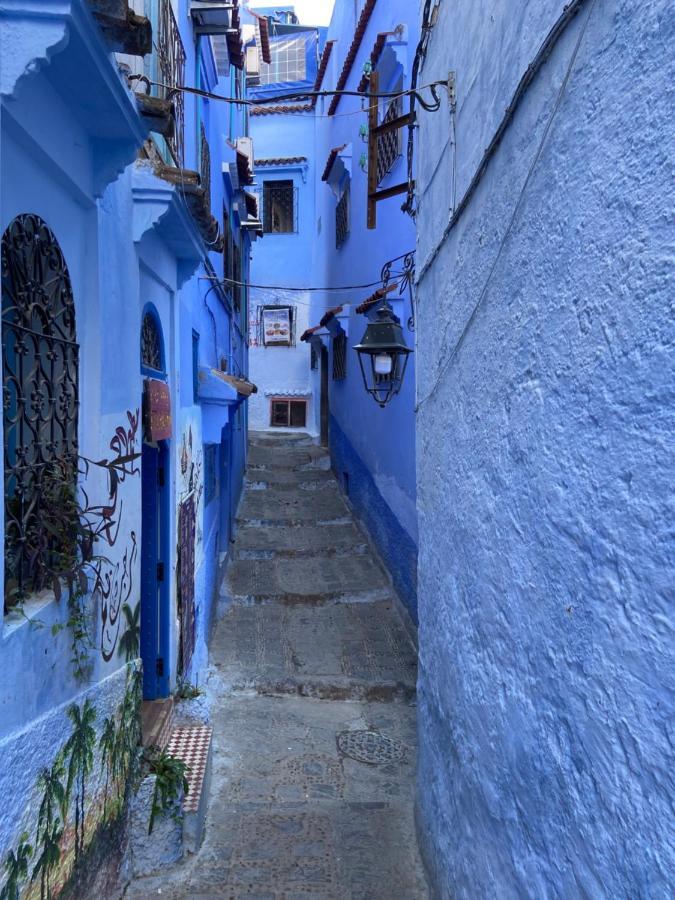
x=311, y=611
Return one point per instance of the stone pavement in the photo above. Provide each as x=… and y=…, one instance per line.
x=312, y=692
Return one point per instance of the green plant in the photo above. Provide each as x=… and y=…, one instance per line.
x=16, y=866
x=171, y=783
x=49, y=830
x=49, y=857
x=187, y=691
x=108, y=744
x=131, y=639
x=80, y=749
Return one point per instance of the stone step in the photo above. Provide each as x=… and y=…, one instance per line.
x=355, y=579
x=349, y=651
x=292, y=507
x=293, y=458
x=316, y=480
x=299, y=541
x=280, y=439
x=157, y=718
x=193, y=745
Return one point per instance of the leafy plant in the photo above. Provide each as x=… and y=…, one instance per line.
x=187, y=691
x=16, y=866
x=171, y=783
x=80, y=749
x=108, y=746
x=130, y=641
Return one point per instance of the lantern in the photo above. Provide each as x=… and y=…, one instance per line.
x=383, y=356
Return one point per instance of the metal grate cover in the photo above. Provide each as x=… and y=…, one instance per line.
x=371, y=747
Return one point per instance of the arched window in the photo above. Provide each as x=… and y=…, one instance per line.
x=152, y=347
x=40, y=403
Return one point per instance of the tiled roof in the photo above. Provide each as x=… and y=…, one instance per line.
x=359, y=34
x=375, y=55
x=264, y=24
x=235, y=46
x=323, y=65
x=306, y=335
x=280, y=110
x=251, y=204
x=281, y=161
x=332, y=156
x=244, y=169
x=328, y=315
x=375, y=298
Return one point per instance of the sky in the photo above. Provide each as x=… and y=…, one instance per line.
x=310, y=12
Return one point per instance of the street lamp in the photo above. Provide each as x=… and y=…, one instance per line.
x=383, y=356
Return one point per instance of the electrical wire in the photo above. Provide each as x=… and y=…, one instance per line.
x=433, y=87
x=308, y=290
x=443, y=368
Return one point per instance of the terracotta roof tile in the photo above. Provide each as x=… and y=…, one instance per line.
x=306, y=335
x=375, y=298
x=281, y=161
x=332, y=156
x=244, y=169
x=323, y=65
x=265, y=48
x=359, y=34
x=280, y=110
x=328, y=315
x=375, y=55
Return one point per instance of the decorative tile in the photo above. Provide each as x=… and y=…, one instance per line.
x=191, y=743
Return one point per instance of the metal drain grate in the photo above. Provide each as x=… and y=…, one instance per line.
x=370, y=747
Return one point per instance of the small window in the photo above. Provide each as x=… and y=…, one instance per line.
x=342, y=218
x=195, y=367
x=210, y=472
x=339, y=357
x=389, y=144
x=289, y=413
x=152, y=355
x=289, y=61
x=279, y=207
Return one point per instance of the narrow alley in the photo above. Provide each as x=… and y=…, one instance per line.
x=312, y=688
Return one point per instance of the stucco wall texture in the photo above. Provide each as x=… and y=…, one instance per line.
x=544, y=463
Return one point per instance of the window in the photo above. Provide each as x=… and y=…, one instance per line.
x=279, y=207
x=389, y=143
x=288, y=413
x=210, y=472
x=289, y=61
x=40, y=364
x=342, y=222
x=195, y=367
x=152, y=350
x=339, y=357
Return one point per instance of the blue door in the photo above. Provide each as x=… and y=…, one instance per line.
x=154, y=577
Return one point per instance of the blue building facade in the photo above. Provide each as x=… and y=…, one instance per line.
x=545, y=403
x=326, y=140
x=126, y=237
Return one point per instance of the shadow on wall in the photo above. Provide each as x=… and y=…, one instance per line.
x=394, y=544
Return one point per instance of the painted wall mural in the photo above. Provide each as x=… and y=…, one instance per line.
x=78, y=800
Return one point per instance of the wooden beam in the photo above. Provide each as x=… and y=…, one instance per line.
x=395, y=124
x=388, y=192
x=372, y=149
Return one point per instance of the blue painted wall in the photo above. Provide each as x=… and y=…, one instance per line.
x=68, y=147
x=546, y=567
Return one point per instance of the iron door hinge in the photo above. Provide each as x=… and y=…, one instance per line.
x=160, y=666
x=160, y=571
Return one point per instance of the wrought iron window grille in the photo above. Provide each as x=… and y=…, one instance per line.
x=40, y=404
x=339, y=357
x=389, y=144
x=342, y=218
x=280, y=207
x=152, y=356
x=170, y=62
x=205, y=166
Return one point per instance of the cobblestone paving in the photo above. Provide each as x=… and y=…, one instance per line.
x=314, y=722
